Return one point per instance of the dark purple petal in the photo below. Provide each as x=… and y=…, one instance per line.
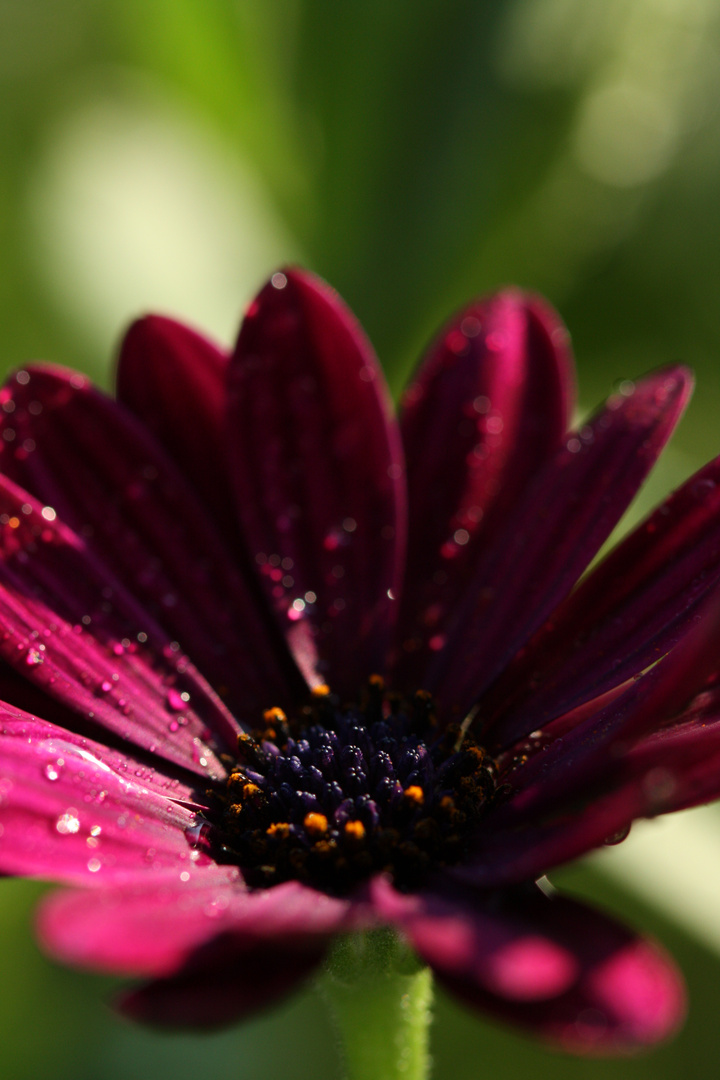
x=88, y=458
x=153, y=931
x=174, y=380
x=634, y=607
x=569, y=974
x=565, y=516
x=224, y=982
x=71, y=629
x=72, y=811
x=679, y=766
x=592, y=751
x=489, y=405
x=584, y=789
x=318, y=471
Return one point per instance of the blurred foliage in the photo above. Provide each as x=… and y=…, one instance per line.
x=170, y=153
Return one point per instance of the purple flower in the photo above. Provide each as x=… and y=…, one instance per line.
x=262, y=519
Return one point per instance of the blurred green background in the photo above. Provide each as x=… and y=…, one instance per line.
x=168, y=154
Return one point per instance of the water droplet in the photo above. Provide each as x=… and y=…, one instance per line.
x=94, y=865
x=68, y=823
x=34, y=657
x=617, y=837
x=53, y=770
x=176, y=699
x=278, y=281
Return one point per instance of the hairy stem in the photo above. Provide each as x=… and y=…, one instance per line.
x=380, y=998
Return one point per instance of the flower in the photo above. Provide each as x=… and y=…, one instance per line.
x=409, y=711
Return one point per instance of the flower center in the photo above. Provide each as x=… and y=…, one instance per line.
x=343, y=792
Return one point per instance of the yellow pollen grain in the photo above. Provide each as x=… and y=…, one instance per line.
x=315, y=824
x=377, y=682
x=14, y=522
x=249, y=790
x=280, y=829
x=415, y=794
x=274, y=715
x=447, y=803
x=321, y=690
x=355, y=830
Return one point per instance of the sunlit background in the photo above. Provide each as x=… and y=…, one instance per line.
x=168, y=154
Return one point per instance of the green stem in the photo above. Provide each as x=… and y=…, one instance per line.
x=380, y=999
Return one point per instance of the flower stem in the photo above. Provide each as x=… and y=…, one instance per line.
x=380, y=998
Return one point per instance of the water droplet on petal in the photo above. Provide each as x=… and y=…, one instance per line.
x=617, y=837
x=176, y=699
x=68, y=823
x=34, y=657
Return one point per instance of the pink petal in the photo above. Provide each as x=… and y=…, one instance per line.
x=488, y=407
x=72, y=811
x=174, y=380
x=538, y=555
x=73, y=630
x=153, y=931
x=634, y=607
x=91, y=461
x=318, y=472
x=569, y=974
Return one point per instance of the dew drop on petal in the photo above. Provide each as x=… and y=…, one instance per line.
x=33, y=657
x=68, y=823
x=94, y=865
x=617, y=837
x=53, y=770
x=177, y=700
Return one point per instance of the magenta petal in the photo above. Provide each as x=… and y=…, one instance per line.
x=318, y=471
x=489, y=405
x=72, y=812
x=105, y=476
x=73, y=630
x=224, y=982
x=153, y=931
x=634, y=607
x=567, y=513
x=174, y=380
x=569, y=974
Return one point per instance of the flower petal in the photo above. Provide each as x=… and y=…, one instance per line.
x=569, y=974
x=99, y=470
x=174, y=380
x=318, y=471
x=567, y=513
x=633, y=608
x=224, y=982
x=153, y=931
x=72, y=630
x=72, y=811
x=488, y=407
x=588, y=786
